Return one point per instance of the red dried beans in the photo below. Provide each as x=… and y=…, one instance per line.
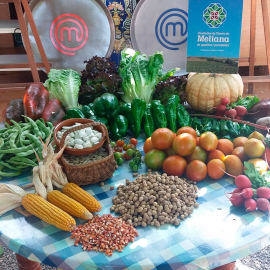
x=104, y=234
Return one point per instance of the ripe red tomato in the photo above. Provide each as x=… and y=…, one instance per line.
x=196, y=170
x=133, y=141
x=154, y=159
x=184, y=144
x=162, y=138
x=120, y=143
x=118, y=149
x=126, y=147
x=148, y=145
x=189, y=130
x=127, y=157
x=174, y=165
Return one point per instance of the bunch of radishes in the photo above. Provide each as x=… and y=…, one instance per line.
x=243, y=195
x=237, y=113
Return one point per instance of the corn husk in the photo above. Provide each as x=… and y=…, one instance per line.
x=10, y=197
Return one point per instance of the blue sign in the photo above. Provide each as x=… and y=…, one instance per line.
x=214, y=34
x=171, y=25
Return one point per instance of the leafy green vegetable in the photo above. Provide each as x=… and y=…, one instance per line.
x=172, y=86
x=140, y=75
x=64, y=84
x=246, y=102
x=254, y=176
x=100, y=76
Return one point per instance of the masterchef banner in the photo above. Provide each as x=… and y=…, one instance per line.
x=121, y=11
x=162, y=26
x=72, y=31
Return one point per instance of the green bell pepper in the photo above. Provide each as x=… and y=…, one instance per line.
x=126, y=111
x=149, y=125
x=183, y=117
x=216, y=126
x=87, y=111
x=137, y=112
x=74, y=113
x=224, y=128
x=119, y=127
x=234, y=128
x=159, y=114
x=207, y=124
x=106, y=106
x=170, y=110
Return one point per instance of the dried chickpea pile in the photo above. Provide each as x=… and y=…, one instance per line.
x=154, y=199
x=104, y=234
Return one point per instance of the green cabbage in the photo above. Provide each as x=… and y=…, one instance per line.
x=140, y=75
x=64, y=84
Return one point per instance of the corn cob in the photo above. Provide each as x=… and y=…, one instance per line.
x=78, y=194
x=49, y=213
x=68, y=205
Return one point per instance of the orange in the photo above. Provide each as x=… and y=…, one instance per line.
x=208, y=141
x=239, y=141
x=148, y=145
x=189, y=130
x=213, y=168
x=239, y=152
x=225, y=146
x=216, y=154
x=234, y=165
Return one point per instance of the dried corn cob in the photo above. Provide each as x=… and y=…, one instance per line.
x=48, y=212
x=78, y=194
x=69, y=205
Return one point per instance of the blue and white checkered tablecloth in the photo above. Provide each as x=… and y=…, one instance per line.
x=215, y=234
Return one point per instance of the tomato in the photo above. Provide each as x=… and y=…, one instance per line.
x=120, y=161
x=197, y=154
x=154, y=159
x=120, y=143
x=148, y=145
x=208, y=141
x=197, y=141
x=117, y=155
x=127, y=157
x=162, y=138
x=174, y=165
x=133, y=141
x=126, y=147
x=189, y=130
x=196, y=170
x=184, y=144
x=213, y=168
x=118, y=149
x=170, y=152
x=130, y=152
x=113, y=144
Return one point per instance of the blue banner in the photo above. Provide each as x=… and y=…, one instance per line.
x=214, y=34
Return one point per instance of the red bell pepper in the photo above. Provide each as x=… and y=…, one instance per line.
x=54, y=112
x=35, y=100
x=13, y=111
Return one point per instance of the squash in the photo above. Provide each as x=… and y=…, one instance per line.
x=204, y=90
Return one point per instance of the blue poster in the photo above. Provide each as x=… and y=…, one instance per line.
x=214, y=34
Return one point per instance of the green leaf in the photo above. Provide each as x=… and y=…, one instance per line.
x=247, y=102
x=254, y=176
x=1, y=250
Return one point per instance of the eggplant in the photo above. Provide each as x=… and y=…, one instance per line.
x=259, y=110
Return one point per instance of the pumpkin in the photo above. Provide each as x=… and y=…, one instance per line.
x=205, y=91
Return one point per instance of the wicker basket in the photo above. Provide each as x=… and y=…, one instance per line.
x=92, y=172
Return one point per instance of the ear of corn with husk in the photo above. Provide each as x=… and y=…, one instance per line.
x=48, y=212
x=69, y=205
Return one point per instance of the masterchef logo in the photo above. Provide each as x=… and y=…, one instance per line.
x=68, y=33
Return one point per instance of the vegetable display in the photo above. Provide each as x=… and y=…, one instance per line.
x=100, y=76
x=64, y=85
x=140, y=75
x=14, y=111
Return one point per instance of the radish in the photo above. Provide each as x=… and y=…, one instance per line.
x=247, y=193
x=225, y=101
x=263, y=192
x=231, y=113
x=220, y=108
x=238, y=117
x=250, y=205
x=237, y=190
x=241, y=110
x=236, y=199
x=263, y=204
x=219, y=113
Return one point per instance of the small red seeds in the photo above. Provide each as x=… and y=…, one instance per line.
x=104, y=234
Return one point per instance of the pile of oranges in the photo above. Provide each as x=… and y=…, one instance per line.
x=185, y=152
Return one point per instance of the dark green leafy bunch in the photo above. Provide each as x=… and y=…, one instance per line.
x=100, y=76
x=172, y=86
x=246, y=102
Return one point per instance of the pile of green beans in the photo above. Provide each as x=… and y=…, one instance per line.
x=18, y=144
